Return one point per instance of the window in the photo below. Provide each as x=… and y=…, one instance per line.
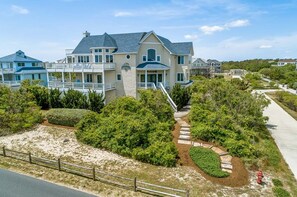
x=83, y=59
x=144, y=58
x=158, y=58
x=98, y=58
x=180, y=77
x=181, y=60
x=39, y=76
x=107, y=50
x=99, y=78
x=33, y=77
x=98, y=50
x=21, y=64
x=89, y=78
x=119, y=77
x=151, y=55
x=128, y=56
x=18, y=77
x=34, y=64
x=109, y=58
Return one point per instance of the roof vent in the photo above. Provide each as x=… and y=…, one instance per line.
x=86, y=34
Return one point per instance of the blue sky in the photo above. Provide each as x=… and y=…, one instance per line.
x=219, y=29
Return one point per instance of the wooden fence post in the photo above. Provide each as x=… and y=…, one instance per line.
x=94, y=174
x=30, y=158
x=59, y=164
x=188, y=193
x=4, y=153
x=135, y=186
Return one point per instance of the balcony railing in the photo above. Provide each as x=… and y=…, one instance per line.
x=148, y=85
x=80, y=86
x=7, y=70
x=11, y=83
x=79, y=67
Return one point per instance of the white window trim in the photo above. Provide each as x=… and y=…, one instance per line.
x=155, y=54
x=145, y=58
x=177, y=76
x=183, y=61
x=157, y=58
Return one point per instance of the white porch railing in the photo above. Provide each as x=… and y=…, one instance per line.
x=171, y=102
x=80, y=86
x=11, y=83
x=148, y=85
x=7, y=70
x=79, y=67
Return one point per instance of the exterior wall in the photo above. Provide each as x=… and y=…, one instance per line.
x=109, y=77
x=110, y=95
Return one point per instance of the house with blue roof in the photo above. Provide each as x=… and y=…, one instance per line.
x=120, y=64
x=17, y=67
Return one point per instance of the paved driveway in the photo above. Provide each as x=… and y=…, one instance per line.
x=283, y=129
x=17, y=185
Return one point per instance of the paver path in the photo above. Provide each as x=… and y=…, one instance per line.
x=283, y=129
x=185, y=138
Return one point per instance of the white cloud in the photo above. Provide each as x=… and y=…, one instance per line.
x=19, y=10
x=191, y=37
x=123, y=14
x=233, y=24
x=211, y=29
x=265, y=46
x=238, y=23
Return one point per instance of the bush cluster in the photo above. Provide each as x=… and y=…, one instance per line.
x=288, y=99
x=54, y=98
x=180, y=96
x=17, y=111
x=228, y=116
x=280, y=192
x=140, y=129
x=66, y=117
x=208, y=161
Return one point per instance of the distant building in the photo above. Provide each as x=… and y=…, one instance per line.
x=283, y=62
x=205, y=67
x=17, y=67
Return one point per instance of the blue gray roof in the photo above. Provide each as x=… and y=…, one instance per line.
x=19, y=56
x=128, y=43
x=152, y=66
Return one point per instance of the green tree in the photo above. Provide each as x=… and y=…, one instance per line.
x=75, y=99
x=96, y=101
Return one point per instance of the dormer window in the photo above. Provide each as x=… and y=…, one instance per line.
x=151, y=55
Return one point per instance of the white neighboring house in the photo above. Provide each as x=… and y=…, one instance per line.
x=283, y=62
x=205, y=67
x=119, y=64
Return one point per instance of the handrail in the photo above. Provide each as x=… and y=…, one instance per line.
x=171, y=102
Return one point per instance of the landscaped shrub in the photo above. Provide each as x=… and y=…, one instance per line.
x=75, y=100
x=288, y=99
x=131, y=128
x=55, y=98
x=180, y=96
x=208, y=161
x=277, y=183
x=66, y=117
x=280, y=192
x=96, y=101
x=17, y=111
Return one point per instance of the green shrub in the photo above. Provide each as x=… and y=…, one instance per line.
x=55, y=98
x=75, y=99
x=277, y=183
x=96, y=101
x=66, y=117
x=280, y=192
x=131, y=128
x=208, y=161
x=180, y=96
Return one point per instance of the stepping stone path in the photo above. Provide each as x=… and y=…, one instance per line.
x=185, y=138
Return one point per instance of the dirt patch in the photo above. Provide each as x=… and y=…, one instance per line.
x=239, y=176
x=46, y=123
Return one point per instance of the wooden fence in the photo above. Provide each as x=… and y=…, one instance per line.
x=93, y=173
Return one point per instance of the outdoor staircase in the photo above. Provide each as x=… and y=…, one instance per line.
x=169, y=99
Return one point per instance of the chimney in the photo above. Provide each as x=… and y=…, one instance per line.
x=86, y=34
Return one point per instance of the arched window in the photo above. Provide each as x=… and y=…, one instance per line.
x=151, y=55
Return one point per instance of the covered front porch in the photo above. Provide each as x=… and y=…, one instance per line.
x=151, y=74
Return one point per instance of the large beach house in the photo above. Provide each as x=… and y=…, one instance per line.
x=119, y=64
x=17, y=67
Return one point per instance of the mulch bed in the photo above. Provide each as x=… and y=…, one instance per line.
x=238, y=177
x=46, y=123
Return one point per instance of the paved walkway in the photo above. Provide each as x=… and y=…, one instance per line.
x=283, y=129
x=17, y=185
x=283, y=87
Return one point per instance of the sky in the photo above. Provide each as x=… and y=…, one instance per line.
x=219, y=29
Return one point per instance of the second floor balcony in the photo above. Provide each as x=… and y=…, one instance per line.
x=79, y=67
x=84, y=87
x=7, y=70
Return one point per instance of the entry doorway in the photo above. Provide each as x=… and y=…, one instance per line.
x=155, y=78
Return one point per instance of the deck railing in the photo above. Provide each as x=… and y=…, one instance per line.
x=79, y=67
x=80, y=85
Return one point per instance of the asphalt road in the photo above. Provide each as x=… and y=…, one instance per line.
x=283, y=129
x=17, y=185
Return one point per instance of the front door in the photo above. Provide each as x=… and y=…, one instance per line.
x=152, y=78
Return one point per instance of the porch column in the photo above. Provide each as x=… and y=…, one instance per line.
x=47, y=79
x=145, y=76
x=63, y=80
x=2, y=76
x=164, y=76
x=83, y=79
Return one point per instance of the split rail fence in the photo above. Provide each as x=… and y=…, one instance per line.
x=96, y=175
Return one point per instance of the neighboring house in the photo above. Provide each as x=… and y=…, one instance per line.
x=284, y=62
x=17, y=67
x=205, y=67
x=119, y=64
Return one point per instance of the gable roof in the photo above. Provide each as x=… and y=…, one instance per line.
x=128, y=43
x=19, y=56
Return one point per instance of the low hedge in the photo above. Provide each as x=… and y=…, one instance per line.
x=208, y=161
x=66, y=117
x=280, y=192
